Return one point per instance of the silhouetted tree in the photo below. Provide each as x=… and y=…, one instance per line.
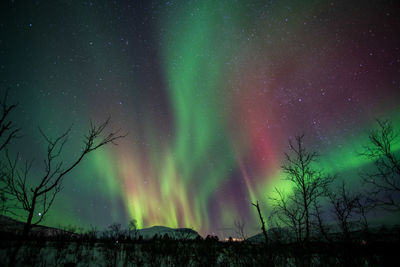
x=364, y=207
x=385, y=179
x=287, y=210
x=308, y=185
x=257, y=205
x=18, y=179
x=320, y=225
x=239, y=229
x=344, y=205
x=92, y=233
x=8, y=132
x=115, y=231
x=133, y=229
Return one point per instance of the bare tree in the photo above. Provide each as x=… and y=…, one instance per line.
x=286, y=210
x=115, y=231
x=344, y=205
x=364, y=207
x=257, y=205
x=92, y=233
x=239, y=229
x=133, y=229
x=8, y=132
x=385, y=179
x=40, y=196
x=320, y=225
x=308, y=185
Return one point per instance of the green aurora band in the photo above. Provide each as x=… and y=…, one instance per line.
x=238, y=81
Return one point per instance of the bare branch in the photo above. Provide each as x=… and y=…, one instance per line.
x=385, y=179
x=308, y=185
x=257, y=205
x=42, y=195
x=8, y=132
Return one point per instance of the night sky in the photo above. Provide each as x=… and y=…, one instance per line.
x=209, y=92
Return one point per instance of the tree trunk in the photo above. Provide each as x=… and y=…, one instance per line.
x=307, y=219
x=28, y=223
x=25, y=232
x=262, y=222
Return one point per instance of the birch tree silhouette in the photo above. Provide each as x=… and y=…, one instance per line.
x=385, y=178
x=308, y=184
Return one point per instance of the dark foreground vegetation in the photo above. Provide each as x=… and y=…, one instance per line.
x=69, y=249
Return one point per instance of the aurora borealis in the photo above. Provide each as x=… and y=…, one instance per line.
x=209, y=92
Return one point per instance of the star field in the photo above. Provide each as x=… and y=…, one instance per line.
x=209, y=92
